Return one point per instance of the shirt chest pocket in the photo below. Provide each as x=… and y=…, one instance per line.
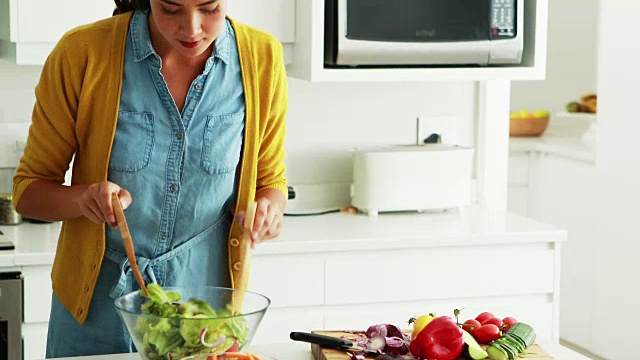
x=133, y=143
x=222, y=143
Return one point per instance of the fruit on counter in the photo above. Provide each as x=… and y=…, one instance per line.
x=513, y=343
x=471, y=325
x=484, y=316
x=588, y=103
x=494, y=320
x=487, y=333
x=472, y=350
x=440, y=339
x=419, y=323
x=524, y=114
x=540, y=114
x=507, y=323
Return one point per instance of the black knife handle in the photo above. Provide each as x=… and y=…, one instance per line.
x=321, y=340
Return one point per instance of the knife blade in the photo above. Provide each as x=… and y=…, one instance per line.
x=329, y=342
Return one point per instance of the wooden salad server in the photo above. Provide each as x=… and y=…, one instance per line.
x=128, y=242
x=244, y=258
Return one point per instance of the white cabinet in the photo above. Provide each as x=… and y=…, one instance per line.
x=518, y=183
x=562, y=191
x=363, y=287
x=36, y=282
x=563, y=194
x=308, y=60
x=276, y=17
x=29, y=29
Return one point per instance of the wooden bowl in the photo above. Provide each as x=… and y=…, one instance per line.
x=528, y=126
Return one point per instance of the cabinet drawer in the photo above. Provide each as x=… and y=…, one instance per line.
x=37, y=294
x=446, y=273
x=290, y=280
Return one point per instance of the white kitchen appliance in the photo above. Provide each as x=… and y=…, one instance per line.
x=411, y=178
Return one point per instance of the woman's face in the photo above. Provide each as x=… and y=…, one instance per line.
x=187, y=26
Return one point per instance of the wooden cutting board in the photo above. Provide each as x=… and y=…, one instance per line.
x=533, y=352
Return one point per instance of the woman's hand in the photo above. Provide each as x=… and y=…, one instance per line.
x=95, y=202
x=267, y=224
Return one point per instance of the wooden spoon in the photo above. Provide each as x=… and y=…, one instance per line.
x=126, y=238
x=244, y=258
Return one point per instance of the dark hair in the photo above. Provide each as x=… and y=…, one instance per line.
x=123, y=6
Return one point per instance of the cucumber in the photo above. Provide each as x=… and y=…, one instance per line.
x=495, y=353
x=524, y=332
x=513, y=343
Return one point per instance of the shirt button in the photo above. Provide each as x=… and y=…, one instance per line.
x=164, y=236
x=87, y=288
x=94, y=266
x=234, y=242
x=237, y=266
x=80, y=311
x=172, y=188
x=179, y=136
x=198, y=86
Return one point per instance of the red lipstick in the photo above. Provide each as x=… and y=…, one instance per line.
x=190, y=45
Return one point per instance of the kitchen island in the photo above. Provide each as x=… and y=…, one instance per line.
x=300, y=351
x=349, y=271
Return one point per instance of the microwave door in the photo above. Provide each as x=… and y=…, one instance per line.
x=413, y=32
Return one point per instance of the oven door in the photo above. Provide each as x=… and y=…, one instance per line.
x=423, y=32
x=10, y=316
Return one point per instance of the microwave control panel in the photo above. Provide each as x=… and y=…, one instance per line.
x=503, y=19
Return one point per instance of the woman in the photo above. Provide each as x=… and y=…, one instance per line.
x=181, y=112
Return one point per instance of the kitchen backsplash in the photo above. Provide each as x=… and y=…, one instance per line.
x=324, y=123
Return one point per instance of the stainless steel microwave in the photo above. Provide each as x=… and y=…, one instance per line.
x=383, y=33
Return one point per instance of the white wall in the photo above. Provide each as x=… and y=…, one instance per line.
x=17, y=85
x=618, y=202
x=571, y=58
x=325, y=121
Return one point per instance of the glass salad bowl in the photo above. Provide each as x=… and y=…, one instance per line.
x=174, y=323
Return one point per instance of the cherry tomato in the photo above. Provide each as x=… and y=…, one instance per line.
x=484, y=316
x=471, y=325
x=487, y=333
x=508, y=322
x=497, y=322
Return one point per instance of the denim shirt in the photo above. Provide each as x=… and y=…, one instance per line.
x=180, y=168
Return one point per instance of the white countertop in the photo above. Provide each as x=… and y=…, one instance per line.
x=473, y=225
x=302, y=351
x=573, y=148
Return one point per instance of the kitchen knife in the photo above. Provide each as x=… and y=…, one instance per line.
x=329, y=342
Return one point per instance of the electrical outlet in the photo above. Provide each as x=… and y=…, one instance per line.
x=445, y=126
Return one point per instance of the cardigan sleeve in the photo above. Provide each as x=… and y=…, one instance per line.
x=51, y=142
x=271, y=166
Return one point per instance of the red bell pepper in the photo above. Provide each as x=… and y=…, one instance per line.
x=441, y=339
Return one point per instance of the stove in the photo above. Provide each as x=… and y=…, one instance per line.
x=5, y=243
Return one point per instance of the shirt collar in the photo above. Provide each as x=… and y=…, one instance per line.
x=141, y=39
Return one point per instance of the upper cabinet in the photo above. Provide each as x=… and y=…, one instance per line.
x=277, y=17
x=29, y=29
x=311, y=29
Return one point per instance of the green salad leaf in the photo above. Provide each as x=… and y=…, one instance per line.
x=177, y=329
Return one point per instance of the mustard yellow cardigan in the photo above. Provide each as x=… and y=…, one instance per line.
x=77, y=101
